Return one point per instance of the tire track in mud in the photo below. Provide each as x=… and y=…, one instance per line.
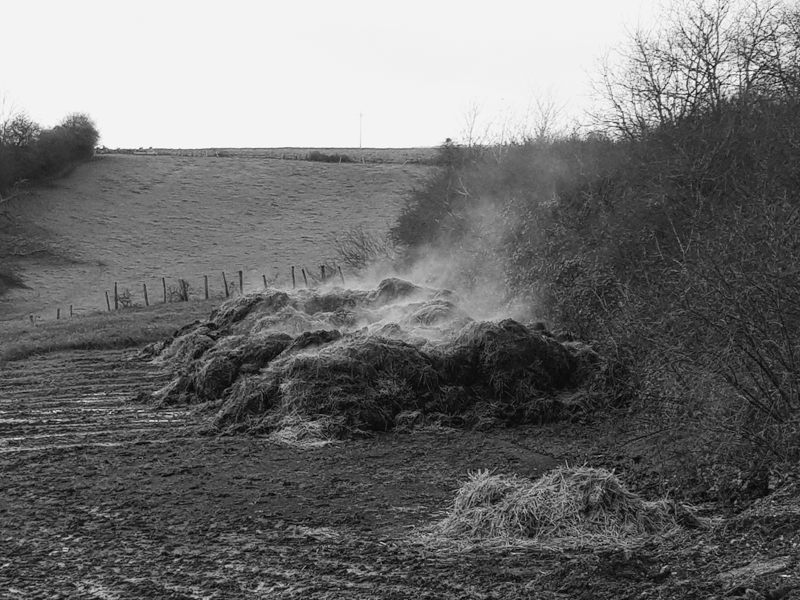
x=81, y=398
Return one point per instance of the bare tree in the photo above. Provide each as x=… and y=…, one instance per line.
x=8, y=108
x=544, y=117
x=19, y=131
x=470, y=133
x=702, y=54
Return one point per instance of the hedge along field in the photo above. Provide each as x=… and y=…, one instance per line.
x=136, y=219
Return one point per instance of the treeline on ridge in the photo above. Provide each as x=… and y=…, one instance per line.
x=668, y=236
x=29, y=153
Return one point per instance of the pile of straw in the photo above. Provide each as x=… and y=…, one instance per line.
x=569, y=505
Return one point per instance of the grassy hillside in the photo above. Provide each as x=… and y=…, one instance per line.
x=134, y=219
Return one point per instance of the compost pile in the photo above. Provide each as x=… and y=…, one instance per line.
x=333, y=363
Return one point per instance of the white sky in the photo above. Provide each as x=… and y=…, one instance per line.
x=271, y=73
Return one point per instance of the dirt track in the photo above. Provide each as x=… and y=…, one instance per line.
x=104, y=499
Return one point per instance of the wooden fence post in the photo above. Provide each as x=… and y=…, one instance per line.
x=108, y=302
x=293, y=281
x=303, y=271
x=225, y=283
x=58, y=314
x=116, y=297
x=164, y=285
x=70, y=310
x=241, y=284
x=264, y=277
x=341, y=275
x=322, y=272
x=205, y=284
x=146, y=299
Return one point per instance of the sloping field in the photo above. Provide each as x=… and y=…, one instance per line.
x=135, y=219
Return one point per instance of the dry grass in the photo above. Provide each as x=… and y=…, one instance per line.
x=299, y=432
x=126, y=328
x=566, y=507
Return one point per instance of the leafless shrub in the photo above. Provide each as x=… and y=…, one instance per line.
x=359, y=248
x=702, y=54
x=125, y=298
x=180, y=292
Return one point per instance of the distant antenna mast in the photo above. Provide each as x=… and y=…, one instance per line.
x=360, y=119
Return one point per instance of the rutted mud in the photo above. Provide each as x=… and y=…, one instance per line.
x=104, y=499
x=77, y=399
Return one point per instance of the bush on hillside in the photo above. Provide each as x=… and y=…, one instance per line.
x=359, y=248
x=29, y=153
x=317, y=156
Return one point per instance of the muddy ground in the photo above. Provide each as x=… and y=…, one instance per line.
x=103, y=498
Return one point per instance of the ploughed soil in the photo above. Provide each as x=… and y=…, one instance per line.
x=104, y=498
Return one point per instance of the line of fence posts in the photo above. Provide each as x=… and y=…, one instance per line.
x=58, y=313
x=324, y=273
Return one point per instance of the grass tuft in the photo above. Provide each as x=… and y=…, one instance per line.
x=128, y=328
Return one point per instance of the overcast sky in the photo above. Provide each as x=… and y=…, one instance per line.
x=236, y=73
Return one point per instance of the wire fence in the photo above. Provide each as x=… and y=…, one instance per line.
x=221, y=286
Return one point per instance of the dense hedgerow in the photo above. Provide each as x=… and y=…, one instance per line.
x=30, y=153
x=673, y=246
x=317, y=156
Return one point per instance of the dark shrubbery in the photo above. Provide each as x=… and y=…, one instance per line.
x=317, y=156
x=29, y=153
x=671, y=243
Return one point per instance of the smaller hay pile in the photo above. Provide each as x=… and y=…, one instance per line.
x=568, y=506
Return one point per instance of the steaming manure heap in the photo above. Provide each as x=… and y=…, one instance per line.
x=330, y=363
